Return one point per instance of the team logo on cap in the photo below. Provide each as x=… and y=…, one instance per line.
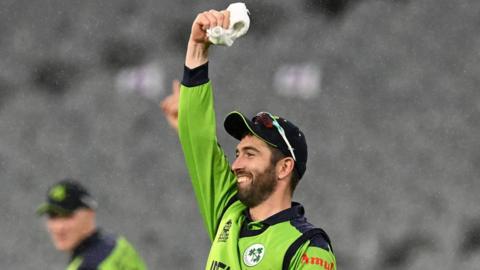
x=58, y=193
x=253, y=254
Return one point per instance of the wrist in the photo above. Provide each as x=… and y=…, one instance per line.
x=197, y=54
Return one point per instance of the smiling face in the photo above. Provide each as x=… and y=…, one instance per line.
x=68, y=231
x=256, y=176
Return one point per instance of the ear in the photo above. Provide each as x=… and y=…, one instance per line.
x=90, y=214
x=284, y=168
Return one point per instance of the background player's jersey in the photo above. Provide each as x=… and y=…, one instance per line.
x=103, y=251
x=237, y=241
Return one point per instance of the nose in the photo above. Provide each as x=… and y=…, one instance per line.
x=55, y=225
x=237, y=164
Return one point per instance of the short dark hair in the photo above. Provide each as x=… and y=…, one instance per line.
x=277, y=155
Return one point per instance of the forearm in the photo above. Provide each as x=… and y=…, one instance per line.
x=197, y=54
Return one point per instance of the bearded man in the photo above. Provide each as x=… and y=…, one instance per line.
x=247, y=208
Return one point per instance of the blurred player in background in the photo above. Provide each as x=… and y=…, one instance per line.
x=70, y=220
x=247, y=208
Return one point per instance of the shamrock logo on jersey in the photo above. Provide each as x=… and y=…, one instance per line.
x=253, y=254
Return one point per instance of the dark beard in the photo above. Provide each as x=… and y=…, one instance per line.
x=260, y=188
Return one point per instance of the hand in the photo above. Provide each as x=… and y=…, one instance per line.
x=197, y=49
x=207, y=20
x=169, y=105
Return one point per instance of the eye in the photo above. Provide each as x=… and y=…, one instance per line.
x=52, y=215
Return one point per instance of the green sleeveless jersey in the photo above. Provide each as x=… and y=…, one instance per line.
x=237, y=241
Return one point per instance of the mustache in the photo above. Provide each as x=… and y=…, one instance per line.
x=241, y=172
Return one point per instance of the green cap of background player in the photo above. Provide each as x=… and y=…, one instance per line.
x=65, y=197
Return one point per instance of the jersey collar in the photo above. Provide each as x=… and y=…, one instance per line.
x=252, y=228
x=87, y=242
x=296, y=211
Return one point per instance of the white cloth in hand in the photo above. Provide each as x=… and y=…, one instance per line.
x=239, y=24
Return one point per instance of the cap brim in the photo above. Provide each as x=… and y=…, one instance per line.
x=50, y=208
x=237, y=125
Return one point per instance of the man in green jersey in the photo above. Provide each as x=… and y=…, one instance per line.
x=247, y=208
x=70, y=220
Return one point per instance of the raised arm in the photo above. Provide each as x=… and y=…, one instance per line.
x=212, y=179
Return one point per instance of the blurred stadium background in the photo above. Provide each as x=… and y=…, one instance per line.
x=386, y=91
